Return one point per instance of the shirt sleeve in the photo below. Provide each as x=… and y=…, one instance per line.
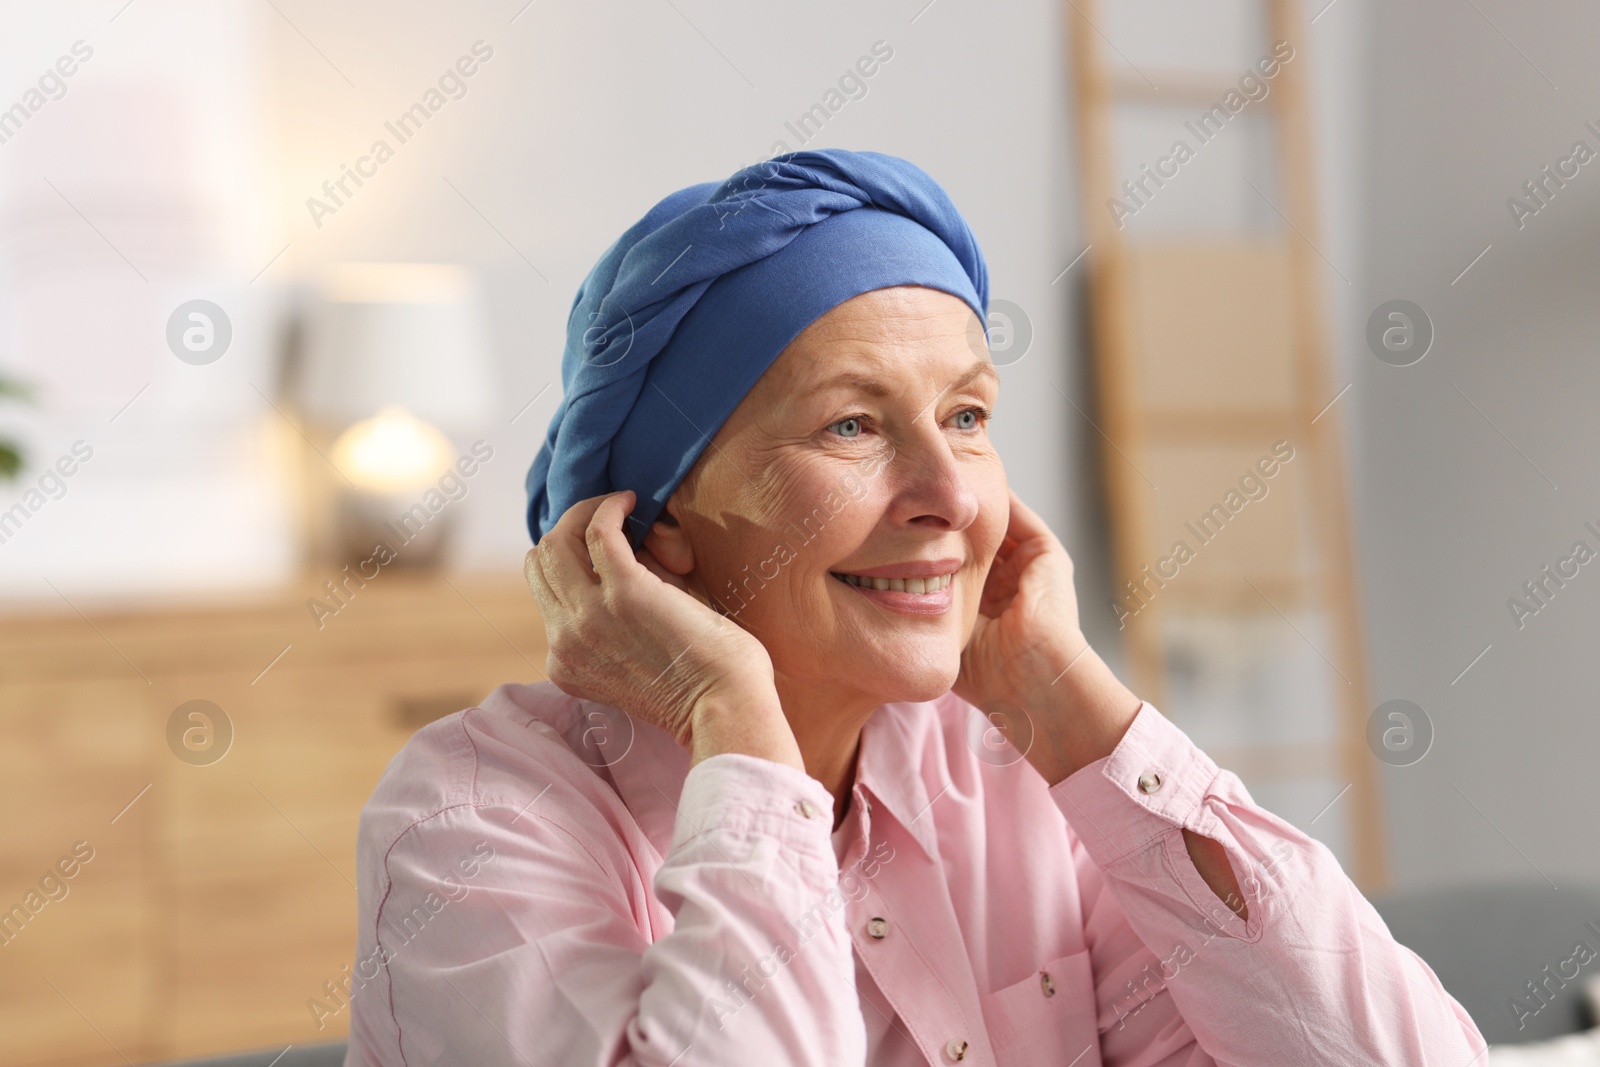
x=550, y=957
x=1313, y=976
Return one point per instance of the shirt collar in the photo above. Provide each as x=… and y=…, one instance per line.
x=890, y=767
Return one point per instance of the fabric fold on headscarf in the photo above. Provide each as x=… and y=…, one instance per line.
x=686, y=311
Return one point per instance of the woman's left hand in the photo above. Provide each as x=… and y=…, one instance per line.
x=1027, y=650
x=1027, y=628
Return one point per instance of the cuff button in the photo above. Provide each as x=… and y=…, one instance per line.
x=1149, y=782
x=1048, y=984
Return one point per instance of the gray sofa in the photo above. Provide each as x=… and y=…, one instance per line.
x=1486, y=941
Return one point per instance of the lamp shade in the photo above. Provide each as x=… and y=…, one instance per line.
x=408, y=334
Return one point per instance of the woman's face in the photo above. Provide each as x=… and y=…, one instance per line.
x=862, y=451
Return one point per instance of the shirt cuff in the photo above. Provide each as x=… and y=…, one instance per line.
x=1151, y=785
x=743, y=796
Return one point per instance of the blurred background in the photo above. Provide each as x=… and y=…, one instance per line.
x=1304, y=288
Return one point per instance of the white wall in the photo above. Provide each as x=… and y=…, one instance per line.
x=140, y=181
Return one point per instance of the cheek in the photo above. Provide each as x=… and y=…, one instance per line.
x=784, y=527
x=816, y=508
x=994, y=513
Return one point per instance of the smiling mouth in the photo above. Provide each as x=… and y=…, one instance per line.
x=921, y=586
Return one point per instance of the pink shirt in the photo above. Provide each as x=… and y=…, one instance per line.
x=544, y=881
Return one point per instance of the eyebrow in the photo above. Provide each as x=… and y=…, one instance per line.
x=874, y=387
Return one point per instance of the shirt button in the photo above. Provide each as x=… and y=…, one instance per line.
x=1048, y=984
x=806, y=808
x=956, y=1049
x=878, y=928
x=1149, y=782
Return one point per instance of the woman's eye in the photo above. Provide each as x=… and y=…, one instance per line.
x=971, y=418
x=967, y=419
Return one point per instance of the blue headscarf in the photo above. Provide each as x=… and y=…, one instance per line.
x=685, y=312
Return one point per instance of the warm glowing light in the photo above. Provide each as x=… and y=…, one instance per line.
x=392, y=452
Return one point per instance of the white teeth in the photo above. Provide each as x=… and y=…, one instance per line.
x=920, y=586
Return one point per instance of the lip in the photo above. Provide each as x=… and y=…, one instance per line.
x=917, y=568
x=919, y=604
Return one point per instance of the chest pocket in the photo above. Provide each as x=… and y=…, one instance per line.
x=1047, y=1019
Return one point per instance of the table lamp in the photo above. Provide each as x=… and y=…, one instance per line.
x=395, y=365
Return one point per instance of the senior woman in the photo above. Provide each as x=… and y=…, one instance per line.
x=825, y=771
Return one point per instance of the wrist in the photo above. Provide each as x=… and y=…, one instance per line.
x=1080, y=717
x=751, y=723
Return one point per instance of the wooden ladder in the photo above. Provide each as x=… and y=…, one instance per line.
x=1208, y=349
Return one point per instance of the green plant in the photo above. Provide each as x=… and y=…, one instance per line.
x=10, y=451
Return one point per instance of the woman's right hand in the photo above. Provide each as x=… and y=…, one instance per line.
x=629, y=633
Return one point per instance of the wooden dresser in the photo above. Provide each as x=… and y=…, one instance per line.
x=220, y=895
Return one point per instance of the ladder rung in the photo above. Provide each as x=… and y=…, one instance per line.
x=1183, y=88
x=1216, y=424
x=1224, y=596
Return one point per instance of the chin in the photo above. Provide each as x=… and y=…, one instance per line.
x=926, y=691
x=915, y=684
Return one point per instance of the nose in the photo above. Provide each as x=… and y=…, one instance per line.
x=929, y=483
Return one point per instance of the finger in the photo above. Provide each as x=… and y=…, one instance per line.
x=608, y=546
x=564, y=553
x=533, y=572
x=999, y=587
x=1026, y=525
